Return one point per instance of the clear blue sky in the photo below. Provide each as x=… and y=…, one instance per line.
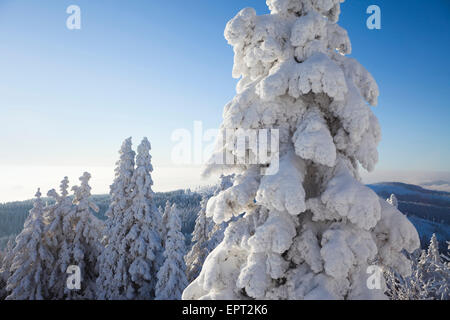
x=146, y=68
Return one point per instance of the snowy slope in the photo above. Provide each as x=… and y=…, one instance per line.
x=428, y=210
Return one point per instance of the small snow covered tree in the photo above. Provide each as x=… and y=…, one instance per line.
x=172, y=275
x=81, y=245
x=310, y=228
x=165, y=220
x=446, y=257
x=392, y=200
x=32, y=260
x=433, y=250
x=436, y=273
x=137, y=238
x=5, y=266
x=161, y=227
x=111, y=283
x=430, y=277
x=200, y=239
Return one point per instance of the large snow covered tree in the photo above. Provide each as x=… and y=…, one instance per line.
x=310, y=230
x=172, y=275
x=80, y=244
x=32, y=260
x=137, y=255
x=111, y=283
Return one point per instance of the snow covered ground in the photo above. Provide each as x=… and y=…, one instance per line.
x=432, y=180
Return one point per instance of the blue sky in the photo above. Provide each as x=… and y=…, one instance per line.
x=146, y=68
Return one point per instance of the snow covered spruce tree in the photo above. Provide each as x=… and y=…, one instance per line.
x=80, y=244
x=136, y=251
x=392, y=200
x=56, y=215
x=113, y=277
x=217, y=231
x=165, y=220
x=172, y=275
x=430, y=277
x=5, y=266
x=32, y=260
x=311, y=229
x=200, y=239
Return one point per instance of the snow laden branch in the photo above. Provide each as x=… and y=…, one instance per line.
x=172, y=274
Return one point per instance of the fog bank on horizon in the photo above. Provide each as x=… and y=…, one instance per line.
x=19, y=183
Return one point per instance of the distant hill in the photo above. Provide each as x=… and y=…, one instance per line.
x=428, y=210
x=414, y=200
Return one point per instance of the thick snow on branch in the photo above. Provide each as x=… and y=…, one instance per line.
x=343, y=247
x=284, y=190
x=351, y=199
x=318, y=74
x=394, y=233
x=234, y=200
x=328, y=8
x=313, y=140
x=33, y=259
x=172, y=274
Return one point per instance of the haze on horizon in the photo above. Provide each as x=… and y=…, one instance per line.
x=69, y=98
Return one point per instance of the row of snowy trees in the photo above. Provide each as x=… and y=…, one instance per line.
x=138, y=253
